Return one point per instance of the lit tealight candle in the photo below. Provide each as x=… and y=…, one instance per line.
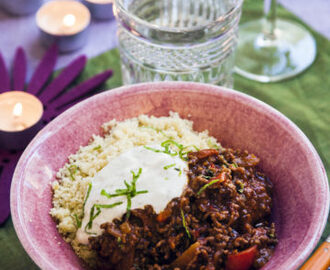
x=65, y=23
x=100, y=9
x=20, y=119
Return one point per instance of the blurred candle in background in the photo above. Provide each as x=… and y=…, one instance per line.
x=20, y=119
x=65, y=23
x=20, y=7
x=100, y=9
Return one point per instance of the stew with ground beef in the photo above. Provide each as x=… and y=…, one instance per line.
x=221, y=221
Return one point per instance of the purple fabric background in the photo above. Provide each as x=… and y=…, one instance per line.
x=22, y=31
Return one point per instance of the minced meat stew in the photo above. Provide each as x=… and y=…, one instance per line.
x=221, y=221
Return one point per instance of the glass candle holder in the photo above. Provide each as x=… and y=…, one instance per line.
x=184, y=40
x=20, y=119
x=100, y=9
x=65, y=23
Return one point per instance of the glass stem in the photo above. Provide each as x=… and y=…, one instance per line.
x=270, y=19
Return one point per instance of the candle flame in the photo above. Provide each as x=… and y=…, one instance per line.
x=18, y=109
x=69, y=20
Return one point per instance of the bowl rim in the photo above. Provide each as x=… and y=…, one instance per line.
x=152, y=87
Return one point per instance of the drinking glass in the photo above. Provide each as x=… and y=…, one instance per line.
x=169, y=40
x=272, y=49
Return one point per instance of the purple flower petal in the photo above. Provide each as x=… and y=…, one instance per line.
x=66, y=76
x=43, y=71
x=4, y=76
x=78, y=92
x=6, y=176
x=19, y=70
x=75, y=94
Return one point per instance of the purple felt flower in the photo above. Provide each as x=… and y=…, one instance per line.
x=55, y=96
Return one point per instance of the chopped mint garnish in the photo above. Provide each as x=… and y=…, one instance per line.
x=184, y=224
x=169, y=166
x=207, y=185
x=73, y=170
x=130, y=191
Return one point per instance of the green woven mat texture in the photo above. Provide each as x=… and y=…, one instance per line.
x=304, y=99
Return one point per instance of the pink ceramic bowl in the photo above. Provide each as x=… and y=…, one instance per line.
x=301, y=196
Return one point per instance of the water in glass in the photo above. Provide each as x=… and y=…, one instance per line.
x=186, y=40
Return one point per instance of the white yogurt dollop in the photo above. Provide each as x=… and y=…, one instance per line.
x=163, y=176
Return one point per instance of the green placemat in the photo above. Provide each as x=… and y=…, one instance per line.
x=304, y=99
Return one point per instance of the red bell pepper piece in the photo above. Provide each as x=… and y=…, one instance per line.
x=206, y=153
x=241, y=260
